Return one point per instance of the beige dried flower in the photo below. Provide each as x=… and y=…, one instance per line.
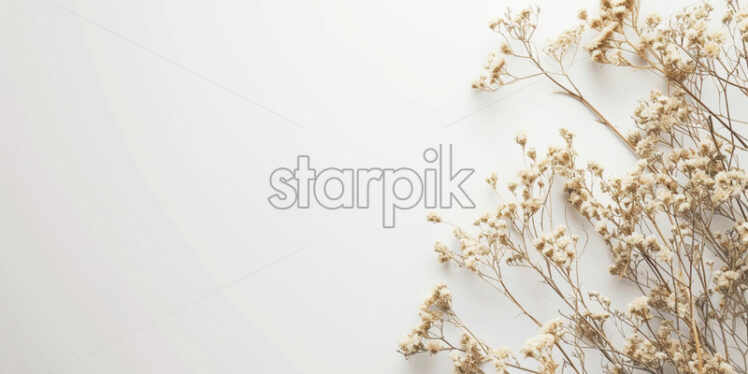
x=676, y=225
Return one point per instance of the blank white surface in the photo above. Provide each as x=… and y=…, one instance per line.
x=134, y=177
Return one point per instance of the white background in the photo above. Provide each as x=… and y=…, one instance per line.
x=136, y=142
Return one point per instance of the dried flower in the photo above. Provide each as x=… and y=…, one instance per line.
x=433, y=217
x=676, y=225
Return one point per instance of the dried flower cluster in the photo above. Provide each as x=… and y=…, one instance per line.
x=676, y=225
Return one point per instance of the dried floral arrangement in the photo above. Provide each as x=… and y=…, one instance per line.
x=675, y=225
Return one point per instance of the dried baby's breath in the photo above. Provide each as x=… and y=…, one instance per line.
x=676, y=225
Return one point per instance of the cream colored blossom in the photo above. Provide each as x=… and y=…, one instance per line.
x=639, y=309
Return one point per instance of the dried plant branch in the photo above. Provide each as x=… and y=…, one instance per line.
x=675, y=225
